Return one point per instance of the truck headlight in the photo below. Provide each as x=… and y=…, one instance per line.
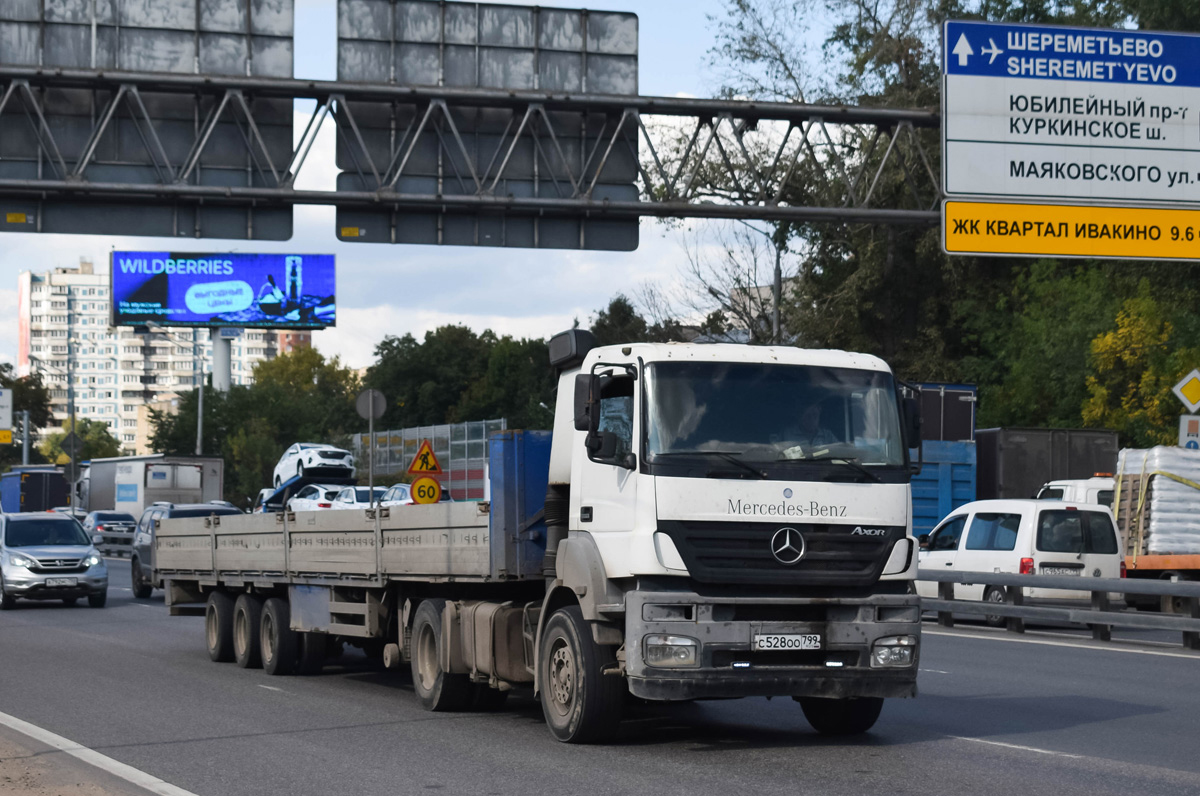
x=20, y=561
x=894, y=652
x=92, y=560
x=672, y=652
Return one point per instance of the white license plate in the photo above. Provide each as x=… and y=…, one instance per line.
x=1060, y=571
x=787, y=641
x=61, y=581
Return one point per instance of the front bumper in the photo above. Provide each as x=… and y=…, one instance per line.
x=729, y=667
x=28, y=585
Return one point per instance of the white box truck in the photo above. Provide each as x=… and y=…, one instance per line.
x=130, y=483
x=705, y=521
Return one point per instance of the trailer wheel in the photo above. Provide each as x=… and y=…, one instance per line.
x=435, y=689
x=278, y=641
x=580, y=702
x=141, y=585
x=311, y=653
x=247, y=616
x=218, y=627
x=841, y=716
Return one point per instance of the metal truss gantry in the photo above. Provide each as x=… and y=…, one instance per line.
x=682, y=157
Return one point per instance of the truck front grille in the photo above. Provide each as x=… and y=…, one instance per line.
x=738, y=552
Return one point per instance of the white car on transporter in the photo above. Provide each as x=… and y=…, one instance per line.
x=315, y=461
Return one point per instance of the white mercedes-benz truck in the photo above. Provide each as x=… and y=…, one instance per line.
x=705, y=521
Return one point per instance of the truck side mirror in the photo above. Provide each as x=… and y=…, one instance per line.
x=584, y=383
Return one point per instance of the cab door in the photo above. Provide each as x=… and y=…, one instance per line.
x=608, y=491
x=941, y=553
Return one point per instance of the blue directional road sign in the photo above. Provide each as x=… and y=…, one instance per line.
x=1092, y=116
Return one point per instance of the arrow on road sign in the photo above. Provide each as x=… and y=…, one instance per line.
x=962, y=49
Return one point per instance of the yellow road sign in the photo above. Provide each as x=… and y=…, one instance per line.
x=1188, y=390
x=5, y=436
x=1042, y=230
x=426, y=490
x=425, y=461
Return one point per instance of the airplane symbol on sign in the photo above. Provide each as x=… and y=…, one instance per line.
x=993, y=51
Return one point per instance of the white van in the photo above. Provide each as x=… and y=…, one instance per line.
x=1022, y=537
x=1097, y=489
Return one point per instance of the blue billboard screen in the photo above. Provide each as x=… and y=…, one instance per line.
x=279, y=291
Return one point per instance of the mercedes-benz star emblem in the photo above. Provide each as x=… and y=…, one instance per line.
x=787, y=545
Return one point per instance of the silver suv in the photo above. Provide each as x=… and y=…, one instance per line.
x=47, y=556
x=142, y=564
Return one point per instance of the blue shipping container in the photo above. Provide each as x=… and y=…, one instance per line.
x=946, y=482
x=519, y=469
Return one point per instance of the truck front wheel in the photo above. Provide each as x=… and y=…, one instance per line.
x=435, y=689
x=580, y=702
x=841, y=716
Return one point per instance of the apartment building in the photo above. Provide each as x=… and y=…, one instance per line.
x=64, y=335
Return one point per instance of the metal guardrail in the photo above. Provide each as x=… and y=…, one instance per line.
x=1099, y=616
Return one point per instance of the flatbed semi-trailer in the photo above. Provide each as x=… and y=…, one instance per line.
x=685, y=533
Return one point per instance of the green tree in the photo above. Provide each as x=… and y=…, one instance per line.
x=424, y=381
x=518, y=385
x=97, y=442
x=620, y=322
x=29, y=394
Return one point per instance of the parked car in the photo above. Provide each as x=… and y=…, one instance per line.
x=1022, y=537
x=397, y=495
x=314, y=460
x=1097, y=489
x=314, y=497
x=261, y=498
x=110, y=531
x=48, y=556
x=356, y=497
x=141, y=566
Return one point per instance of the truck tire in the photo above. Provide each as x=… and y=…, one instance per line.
x=311, y=653
x=247, y=618
x=994, y=594
x=218, y=627
x=580, y=702
x=141, y=586
x=841, y=716
x=277, y=640
x=435, y=689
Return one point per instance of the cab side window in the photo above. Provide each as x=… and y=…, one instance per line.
x=616, y=412
x=946, y=537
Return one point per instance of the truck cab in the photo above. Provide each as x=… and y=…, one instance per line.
x=1097, y=490
x=737, y=519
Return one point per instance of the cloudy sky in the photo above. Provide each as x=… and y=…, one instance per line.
x=386, y=289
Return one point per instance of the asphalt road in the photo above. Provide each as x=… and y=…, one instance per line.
x=995, y=716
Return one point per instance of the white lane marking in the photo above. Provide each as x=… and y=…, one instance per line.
x=93, y=758
x=935, y=671
x=119, y=588
x=271, y=688
x=1047, y=643
x=144, y=605
x=1018, y=747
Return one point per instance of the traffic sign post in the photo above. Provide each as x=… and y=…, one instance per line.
x=426, y=490
x=370, y=405
x=1086, y=117
x=6, y=422
x=425, y=462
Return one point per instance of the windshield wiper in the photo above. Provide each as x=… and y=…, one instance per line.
x=729, y=456
x=852, y=464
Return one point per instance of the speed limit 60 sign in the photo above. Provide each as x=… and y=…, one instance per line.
x=426, y=490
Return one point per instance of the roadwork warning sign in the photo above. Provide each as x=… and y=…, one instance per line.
x=425, y=461
x=1146, y=233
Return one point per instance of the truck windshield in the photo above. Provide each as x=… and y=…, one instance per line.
x=762, y=412
x=32, y=533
